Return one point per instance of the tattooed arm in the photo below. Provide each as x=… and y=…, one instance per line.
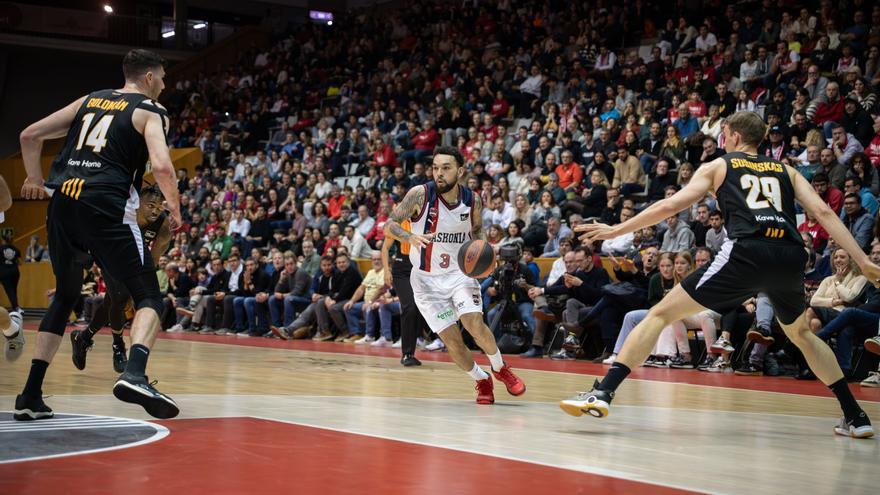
x=408, y=207
x=477, y=231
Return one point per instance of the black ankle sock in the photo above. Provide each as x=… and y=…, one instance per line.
x=117, y=339
x=89, y=332
x=851, y=409
x=615, y=377
x=34, y=385
x=137, y=359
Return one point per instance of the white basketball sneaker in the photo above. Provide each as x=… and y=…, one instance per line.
x=14, y=337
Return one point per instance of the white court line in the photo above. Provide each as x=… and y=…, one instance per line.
x=161, y=432
x=56, y=428
x=622, y=475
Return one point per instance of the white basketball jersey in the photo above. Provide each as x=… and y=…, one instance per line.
x=451, y=226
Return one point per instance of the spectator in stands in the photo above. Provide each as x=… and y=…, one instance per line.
x=364, y=305
x=291, y=293
x=827, y=109
x=356, y=244
x=853, y=324
x=832, y=169
x=836, y=291
x=843, y=144
x=35, y=251
x=853, y=184
x=673, y=146
x=716, y=236
x=678, y=236
x=629, y=176
x=555, y=233
x=858, y=220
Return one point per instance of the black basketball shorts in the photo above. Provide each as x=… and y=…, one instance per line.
x=115, y=243
x=745, y=267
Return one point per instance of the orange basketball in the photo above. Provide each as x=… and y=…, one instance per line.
x=476, y=258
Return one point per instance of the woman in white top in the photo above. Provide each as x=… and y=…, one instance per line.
x=744, y=103
x=837, y=291
x=712, y=125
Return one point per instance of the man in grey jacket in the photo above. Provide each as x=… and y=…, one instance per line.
x=678, y=237
x=858, y=220
x=291, y=294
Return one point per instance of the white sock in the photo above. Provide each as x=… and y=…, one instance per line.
x=496, y=360
x=477, y=373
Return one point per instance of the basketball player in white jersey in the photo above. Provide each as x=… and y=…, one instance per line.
x=444, y=215
x=10, y=323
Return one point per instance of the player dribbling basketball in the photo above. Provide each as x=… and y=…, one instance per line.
x=445, y=215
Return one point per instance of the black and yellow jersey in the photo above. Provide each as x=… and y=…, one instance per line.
x=104, y=157
x=757, y=199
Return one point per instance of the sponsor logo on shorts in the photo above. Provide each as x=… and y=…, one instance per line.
x=461, y=305
x=444, y=314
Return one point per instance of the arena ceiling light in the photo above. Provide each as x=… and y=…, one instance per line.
x=200, y=25
x=108, y=8
x=168, y=34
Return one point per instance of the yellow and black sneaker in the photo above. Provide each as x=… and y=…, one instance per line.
x=596, y=403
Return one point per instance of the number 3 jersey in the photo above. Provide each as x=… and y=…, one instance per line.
x=451, y=226
x=757, y=199
x=104, y=157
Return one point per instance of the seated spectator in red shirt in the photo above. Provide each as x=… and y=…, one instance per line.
x=830, y=109
x=816, y=231
x=423, y=145
x=383, y=154
x=873, y=148
x=830, y=194
x=500, y=107
x=334, y=203
x=569, y=172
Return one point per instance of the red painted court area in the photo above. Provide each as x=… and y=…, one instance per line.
x=246, y=455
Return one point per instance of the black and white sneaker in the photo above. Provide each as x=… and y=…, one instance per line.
x=80, y=346
x=680, y=363
x=761, y=336
x=139, y=390
x=31, y=408
x=119, y=358
x=14, y=341
x=857, y=428
x=596, y=402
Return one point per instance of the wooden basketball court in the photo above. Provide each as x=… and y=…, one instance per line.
x=266, y=416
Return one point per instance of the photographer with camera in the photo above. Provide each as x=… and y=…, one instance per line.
x=512, y=280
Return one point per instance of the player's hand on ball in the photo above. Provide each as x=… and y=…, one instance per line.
x=420, y=240
x=595, y=232
x=33, y=189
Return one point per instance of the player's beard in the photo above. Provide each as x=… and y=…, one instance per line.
x=445, y=188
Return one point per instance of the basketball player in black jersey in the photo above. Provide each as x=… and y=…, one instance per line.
x=765, y=253
x=93, y=184
x=151, y=219
x=10, y=322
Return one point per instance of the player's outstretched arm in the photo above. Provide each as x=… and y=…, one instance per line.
x=477, y=231
x=31, y=140
x=408, y=207
x=814, y=205
x=161, y=243
x=706, y=178
x=160, y=160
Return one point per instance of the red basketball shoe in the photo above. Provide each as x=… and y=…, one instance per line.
x=515, y=386
x=484, y=391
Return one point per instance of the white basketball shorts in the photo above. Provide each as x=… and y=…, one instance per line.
x=442, y=299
